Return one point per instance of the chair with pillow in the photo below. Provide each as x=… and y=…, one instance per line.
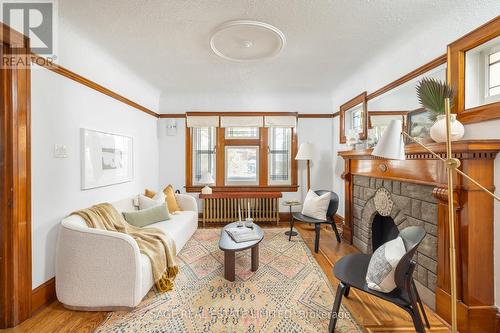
x=319, y=208
x=387, y=274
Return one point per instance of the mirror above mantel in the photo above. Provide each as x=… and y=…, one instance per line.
x=401, y=102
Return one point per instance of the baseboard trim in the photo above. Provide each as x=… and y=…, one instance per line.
x=43, y=295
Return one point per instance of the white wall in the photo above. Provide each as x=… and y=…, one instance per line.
x=404, y=56
x=59, y=108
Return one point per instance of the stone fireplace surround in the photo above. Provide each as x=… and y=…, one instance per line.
x=408, y=205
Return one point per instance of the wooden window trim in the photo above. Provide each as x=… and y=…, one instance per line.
x=360, y=99
x=456, y=72
x=221, y=144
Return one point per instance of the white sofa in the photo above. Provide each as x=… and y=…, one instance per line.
x=104, y=270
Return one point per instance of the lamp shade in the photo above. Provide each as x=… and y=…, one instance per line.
x=207, y=178
x=306, y=152
x=391, y=145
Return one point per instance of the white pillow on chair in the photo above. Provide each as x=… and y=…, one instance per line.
x=316, y=206
x=382, y=266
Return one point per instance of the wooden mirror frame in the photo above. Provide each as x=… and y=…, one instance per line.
x=456, y=72
x=360, y=99
x=403, y=114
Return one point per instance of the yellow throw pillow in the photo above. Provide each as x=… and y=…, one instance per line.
x=150, y=194
x=172, y=204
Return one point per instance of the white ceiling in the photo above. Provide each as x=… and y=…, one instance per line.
x=167, y=42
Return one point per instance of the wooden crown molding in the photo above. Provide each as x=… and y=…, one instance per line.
x=41, y=61
x=410, y=76
x=299, y=115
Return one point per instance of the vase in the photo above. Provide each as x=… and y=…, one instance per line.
x=438, y=130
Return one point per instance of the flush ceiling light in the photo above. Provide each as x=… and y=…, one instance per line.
x=245, y=41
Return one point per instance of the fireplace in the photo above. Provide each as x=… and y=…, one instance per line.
x=418, y=191
x=381, y=208
x=383, y=230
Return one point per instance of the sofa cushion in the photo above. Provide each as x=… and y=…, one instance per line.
x=180, y=227
x=144, y=217
x=173, y=205
x=145, y=202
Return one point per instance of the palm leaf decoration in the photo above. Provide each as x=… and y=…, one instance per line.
x=431, y=94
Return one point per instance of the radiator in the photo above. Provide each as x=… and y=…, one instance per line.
x=217, y=209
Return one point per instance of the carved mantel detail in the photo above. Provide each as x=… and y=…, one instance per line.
x=474, y=219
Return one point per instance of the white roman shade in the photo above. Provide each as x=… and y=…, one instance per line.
x=280, y=121
x=202, y=121
x=241, y=121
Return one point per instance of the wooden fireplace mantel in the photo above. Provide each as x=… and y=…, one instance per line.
x=474, y=219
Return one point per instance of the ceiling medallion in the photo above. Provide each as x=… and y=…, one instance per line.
x=247, y=41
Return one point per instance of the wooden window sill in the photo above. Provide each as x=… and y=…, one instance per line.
x=286, y=188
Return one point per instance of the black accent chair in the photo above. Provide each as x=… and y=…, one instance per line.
x=331, y=211
x=351, y=271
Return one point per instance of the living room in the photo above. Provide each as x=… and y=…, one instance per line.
x=244, y=166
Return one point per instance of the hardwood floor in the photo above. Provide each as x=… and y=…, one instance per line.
x=375, y=315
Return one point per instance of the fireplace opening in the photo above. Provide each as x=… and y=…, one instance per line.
x=383, y=230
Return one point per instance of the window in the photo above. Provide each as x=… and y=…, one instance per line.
x=242, y=133
x=242, y=165
x=203, y=143
x=482, y=74
x=255, y=158
x=280, y=156
x=494, y=74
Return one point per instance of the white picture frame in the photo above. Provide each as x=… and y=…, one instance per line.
x=106, y=159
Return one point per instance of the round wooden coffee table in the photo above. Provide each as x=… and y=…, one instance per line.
x=230, y=247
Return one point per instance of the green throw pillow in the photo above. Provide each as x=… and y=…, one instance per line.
x=142, y=218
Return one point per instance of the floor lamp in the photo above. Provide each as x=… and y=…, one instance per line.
x=391, y=146
x=305, y=153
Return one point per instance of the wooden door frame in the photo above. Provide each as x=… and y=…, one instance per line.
x=15, y=166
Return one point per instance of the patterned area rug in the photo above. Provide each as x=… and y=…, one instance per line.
x=288, y=293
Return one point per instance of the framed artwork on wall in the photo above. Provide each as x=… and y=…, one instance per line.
x=420, y=123
x=107, y=159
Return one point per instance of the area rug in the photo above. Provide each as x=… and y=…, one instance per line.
x=288, y=293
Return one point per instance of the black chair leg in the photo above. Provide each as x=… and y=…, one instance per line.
x=421, y=305
x=291, y=229
x=417, y=320
x=334, y=227
x=347, y=290
x=336, y=307
x=317, y=226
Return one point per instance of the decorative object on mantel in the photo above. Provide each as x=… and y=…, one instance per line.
x=352, y=138
x=107, y=159
x=207, y=180
x=431, y=94
x=306, y=153
x=392, y=147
